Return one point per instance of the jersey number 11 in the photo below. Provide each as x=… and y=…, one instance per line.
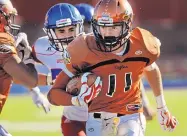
x=112, y=83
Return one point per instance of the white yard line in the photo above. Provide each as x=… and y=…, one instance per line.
x=40, y=126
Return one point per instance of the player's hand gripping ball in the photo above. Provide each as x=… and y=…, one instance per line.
x=74, y=85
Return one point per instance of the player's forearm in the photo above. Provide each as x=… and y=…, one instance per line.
x=27, y=75
x=33, y=74
x=59, y=97
x=155, y=80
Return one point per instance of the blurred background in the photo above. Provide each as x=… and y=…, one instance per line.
x=166, y=19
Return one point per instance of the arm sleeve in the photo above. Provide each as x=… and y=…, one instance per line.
x=6, y=52
x=12, y=65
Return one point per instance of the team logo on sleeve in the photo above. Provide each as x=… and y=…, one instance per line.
x=49, y=49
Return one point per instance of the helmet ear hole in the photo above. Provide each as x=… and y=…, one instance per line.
x=118, y=4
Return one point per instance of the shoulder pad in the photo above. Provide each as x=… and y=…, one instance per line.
x=78, y=48
x=42, y=46
x=150, y=42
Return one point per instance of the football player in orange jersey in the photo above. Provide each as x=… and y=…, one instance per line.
x=119, y=55
x=16, y=62
x=86, y=11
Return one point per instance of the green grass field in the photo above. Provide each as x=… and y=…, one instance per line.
x=21, y=117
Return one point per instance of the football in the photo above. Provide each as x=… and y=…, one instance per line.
x=74, y=85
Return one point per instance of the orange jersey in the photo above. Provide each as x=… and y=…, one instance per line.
x=7, y=50
x=120, y=74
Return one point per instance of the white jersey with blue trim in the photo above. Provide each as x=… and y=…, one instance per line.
x=54, y=61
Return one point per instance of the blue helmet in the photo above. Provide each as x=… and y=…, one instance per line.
x=86, y=11
x=58, y=16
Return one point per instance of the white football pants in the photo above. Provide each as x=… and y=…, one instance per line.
x=109, y=124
